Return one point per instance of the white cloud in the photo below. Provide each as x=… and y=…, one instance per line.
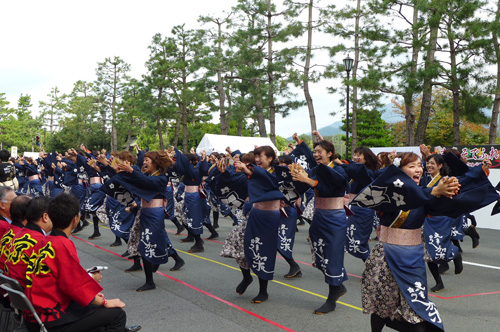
x=58, y=42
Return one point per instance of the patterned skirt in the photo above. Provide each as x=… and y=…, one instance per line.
x=234, y=246
x=380, y=292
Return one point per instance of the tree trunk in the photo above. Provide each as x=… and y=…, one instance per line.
x=261, y=121
x=307, y=94
x=455, y=88
x=496, y=103
x=158, y=120
x=129, y=134
x=354, y=116
x=184, y=128
x=240, y=128
x=160, y=134
x=408, y=94
x=177, y=128
x=425, y=111
x=272, y=106
x=114, y=134
x=229, y=106
x=224, y=123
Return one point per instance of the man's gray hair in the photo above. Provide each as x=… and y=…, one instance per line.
x=4, y=191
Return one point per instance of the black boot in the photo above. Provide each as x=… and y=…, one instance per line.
x=213, y=232
x=443, y=267
x=334, y=293
x=474, y=235
x=189, y=238
x=459, y=267
x=137, y=265
x=117, y=243
x=262, y=296
x=247, y=280
x=179, y=262
x=433, y=267
x=198, y=245
x=83, y=218
x=377, y=323
x=77, y=229
x=402, y=326
x=457, y=244
x=179, y=226
x=215, y=214
x=149, y=269
x=96, y=233
x=301, y=222
x=294, y=271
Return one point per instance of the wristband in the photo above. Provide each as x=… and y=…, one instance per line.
x=103, y=302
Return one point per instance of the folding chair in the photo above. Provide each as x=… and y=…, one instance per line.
x=7, y=320
x=7, y=315
x=19, y=301
x=13, y=283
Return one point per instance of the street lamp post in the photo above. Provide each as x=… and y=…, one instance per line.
x=348, y=62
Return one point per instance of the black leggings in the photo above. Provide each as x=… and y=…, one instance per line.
x=111, y=319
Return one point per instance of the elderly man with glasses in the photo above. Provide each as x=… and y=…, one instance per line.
x=7, y=194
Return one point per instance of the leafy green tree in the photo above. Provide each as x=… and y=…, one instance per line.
x=372, y=130
x=52, y=109
x=461, y=63
x=394, y=42
x=216, y=58
x=263, y=70
x=162, y=68
x=308, y=74
x=434, y=10
x=487, y=34
x=111, y=79
x=132, y=106
x=357, y=25
x=18, y=127
x=6, y=118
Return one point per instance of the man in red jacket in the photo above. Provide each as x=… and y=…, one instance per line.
x=63, y=294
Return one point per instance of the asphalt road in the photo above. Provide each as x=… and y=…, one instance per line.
x=201, y=296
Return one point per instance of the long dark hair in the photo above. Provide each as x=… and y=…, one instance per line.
x=161, y=159
x=445, y=170
x=371, y=160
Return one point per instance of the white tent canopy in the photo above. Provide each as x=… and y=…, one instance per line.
x=218, y=143
x=414, y=149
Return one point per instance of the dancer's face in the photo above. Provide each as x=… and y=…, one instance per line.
x=321, y=155
x=262, y=160
x=413, y=170
x=149, y=166
x=433, y=167
x=359, y=158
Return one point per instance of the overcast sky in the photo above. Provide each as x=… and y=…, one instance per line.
x=54, y=43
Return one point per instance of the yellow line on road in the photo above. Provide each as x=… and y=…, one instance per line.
x=275, y=281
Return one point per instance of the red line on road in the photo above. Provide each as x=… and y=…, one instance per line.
x=460, y=296
x=300, y=262
x=200, y=290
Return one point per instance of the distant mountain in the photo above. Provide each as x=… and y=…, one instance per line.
x=388, y=115
x=330, y=130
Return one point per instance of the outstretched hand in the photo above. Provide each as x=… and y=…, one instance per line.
x=448, y=186
x=124, y=167
x=221, y=165
x=318, y=135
